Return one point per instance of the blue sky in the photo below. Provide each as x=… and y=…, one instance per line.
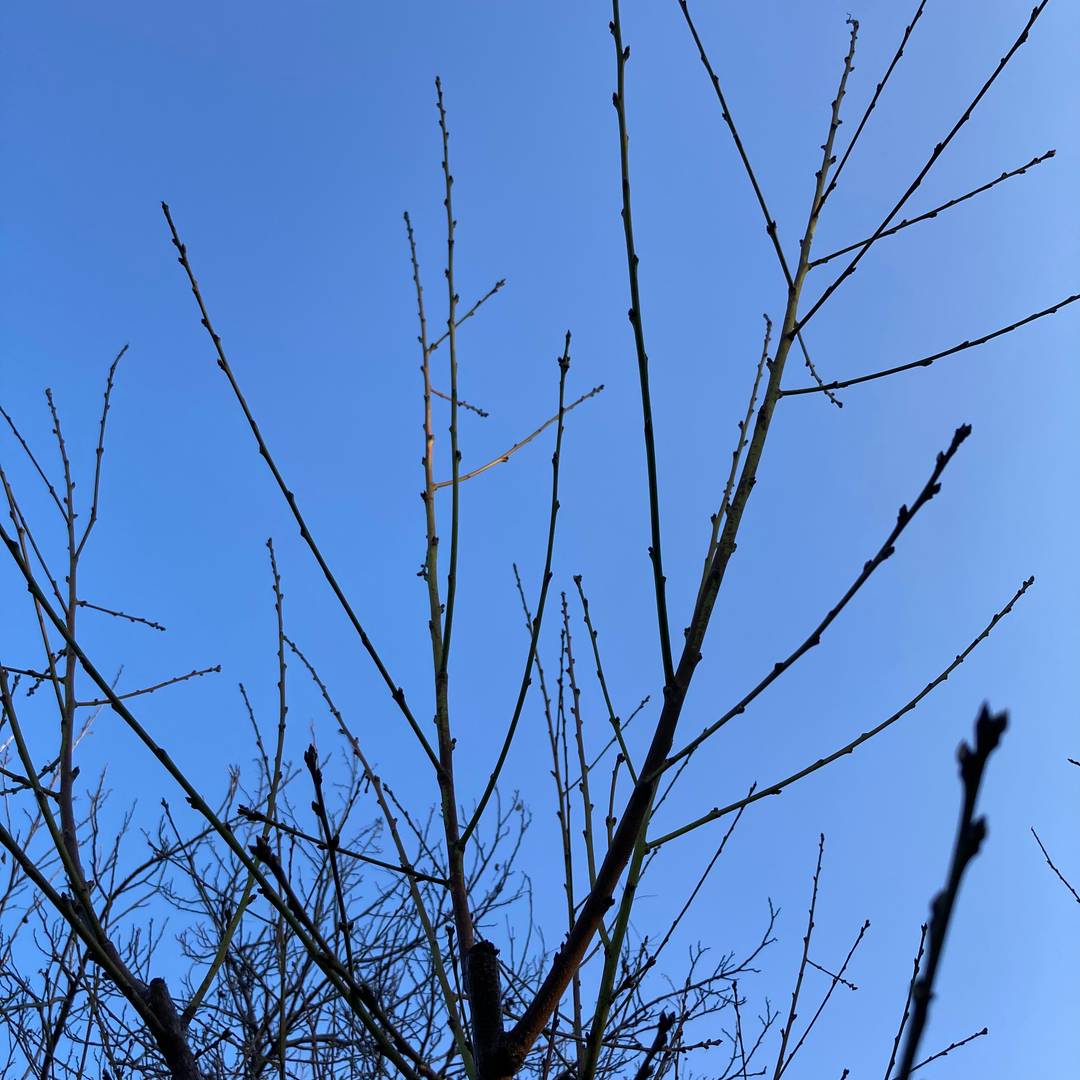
x=288, y=141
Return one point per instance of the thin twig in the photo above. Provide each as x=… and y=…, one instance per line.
x=837, y=979
x=873, y=101
x=613, y=719
x=504, y=457
x=743, y=425
x=462, y=403
x=725, y=112
x=887, y=549
x=1050, y=862
x=938, y=150
x=464, y=318
x=833, y=975
x=815, y=212
x=907, y=1002
x=215, y=670
x=926, y=361
x=545, y=581
x=785, y=1031
x=952, y=1046
x=622, y=55
x=258, y=816
x=777, y=788
x=33, y=461
x=121, y=615
x=937, y=209
x=396, y=692
x=100, y=451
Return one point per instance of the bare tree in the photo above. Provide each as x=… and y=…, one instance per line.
x=311, y=945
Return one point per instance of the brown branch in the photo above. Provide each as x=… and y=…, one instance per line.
x=462, y=403
x=504, y=457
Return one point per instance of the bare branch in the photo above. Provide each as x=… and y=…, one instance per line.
x=464, y=318
x=970, y=834
x=887, y=549
x=1050, y=862
x=777, y=788
x=926, y=361
x=938, y=150
x=937, y=209
x=545, y=581
x=215, y=670
x=874, y=100
x=121, y=615
x=505, y=457
x=396, y=692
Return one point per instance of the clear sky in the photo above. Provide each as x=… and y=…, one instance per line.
x=288, y=140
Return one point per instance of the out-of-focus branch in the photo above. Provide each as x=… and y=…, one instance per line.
x=970, y=834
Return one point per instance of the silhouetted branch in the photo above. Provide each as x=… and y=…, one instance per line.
x=121, y=615
x=970, y=834
x=782, y=785
x=952, y=1046
x=938, y=150
x=926, y=361
x=874, y=100
x=1050, y=862
x=396, y=692
x=937, y=209
x=904, y=1016
x=903, y=519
